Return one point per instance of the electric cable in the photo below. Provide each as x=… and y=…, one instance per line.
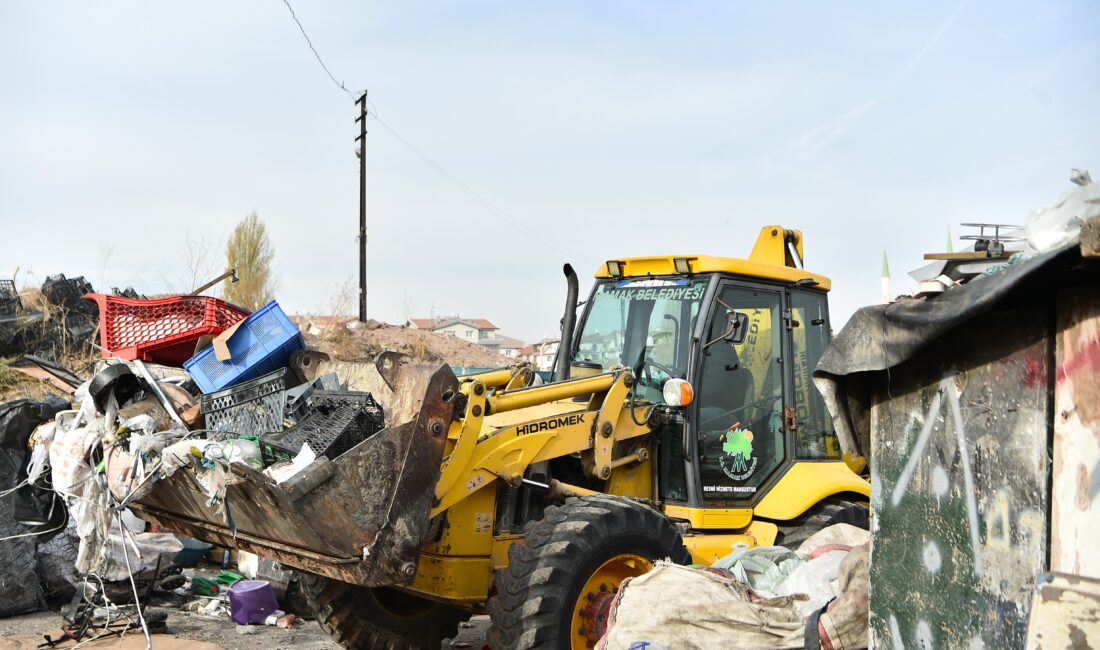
x=339, y=84
x=436, y=167
x=133, y=585
x=42, y=532
x=478, y=198
x=15, y=487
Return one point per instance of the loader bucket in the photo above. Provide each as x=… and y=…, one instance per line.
x=361, y=517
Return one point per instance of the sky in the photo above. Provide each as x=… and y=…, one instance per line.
x=517, y=136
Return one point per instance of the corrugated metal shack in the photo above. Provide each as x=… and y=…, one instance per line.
x=980, y=412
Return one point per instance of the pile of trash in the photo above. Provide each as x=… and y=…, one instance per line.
x=182, y=382
x=51, y=322
x=46, y=331
x=764, y=597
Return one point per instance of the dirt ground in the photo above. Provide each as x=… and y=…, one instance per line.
x=194, y=632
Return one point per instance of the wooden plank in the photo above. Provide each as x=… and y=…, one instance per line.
x=968, y=255
x=46, y=376
x=1065, y=613
x=1090, y=238
x=1075, y=506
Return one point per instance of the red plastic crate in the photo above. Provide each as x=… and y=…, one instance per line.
x=164, y=330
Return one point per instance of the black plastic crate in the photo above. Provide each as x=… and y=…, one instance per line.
x=339, y=421
x=68, y=293
x=9, y=298
x=298, y=399
x=128, y=292
x=252, y=408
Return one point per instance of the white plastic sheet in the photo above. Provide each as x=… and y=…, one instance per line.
x=1058, y=224
x=815, y=579
x=144, y=550
x=763, y=568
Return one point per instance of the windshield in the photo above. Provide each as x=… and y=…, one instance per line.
x=645, y=325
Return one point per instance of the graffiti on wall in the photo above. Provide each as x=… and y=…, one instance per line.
x=958, y=495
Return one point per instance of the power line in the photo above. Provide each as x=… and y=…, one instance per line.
x=478, y=198
x=439, y=169
x=339, y=84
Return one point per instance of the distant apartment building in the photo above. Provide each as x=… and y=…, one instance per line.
x=475, y=330
x=510, y=347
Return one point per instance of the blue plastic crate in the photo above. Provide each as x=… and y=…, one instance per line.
x=262, y=344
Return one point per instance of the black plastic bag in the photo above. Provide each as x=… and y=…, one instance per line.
x=36, y=507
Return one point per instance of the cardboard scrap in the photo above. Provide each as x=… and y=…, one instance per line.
x=221, y=342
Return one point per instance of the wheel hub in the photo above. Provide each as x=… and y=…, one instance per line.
x=596, y=613
x=593, y=607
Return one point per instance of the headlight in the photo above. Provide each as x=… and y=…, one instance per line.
x=678, y=392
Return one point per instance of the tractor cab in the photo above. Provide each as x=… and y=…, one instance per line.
x=729, y=345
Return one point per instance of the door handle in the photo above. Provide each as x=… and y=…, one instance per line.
x=790, y=418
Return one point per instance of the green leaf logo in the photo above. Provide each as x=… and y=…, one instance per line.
x=737, y=442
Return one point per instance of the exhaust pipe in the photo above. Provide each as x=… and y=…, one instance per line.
x=568, y=324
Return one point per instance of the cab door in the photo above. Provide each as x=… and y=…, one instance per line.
x=809, y=330
x=740, y=439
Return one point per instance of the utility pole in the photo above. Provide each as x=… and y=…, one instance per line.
x=362, y=140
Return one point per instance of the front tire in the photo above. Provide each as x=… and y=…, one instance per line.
x=562, y=577
x=379, y=617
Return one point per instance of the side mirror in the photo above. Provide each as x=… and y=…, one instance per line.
x=737, y=328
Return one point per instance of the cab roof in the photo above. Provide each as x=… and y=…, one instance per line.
x=772, y=258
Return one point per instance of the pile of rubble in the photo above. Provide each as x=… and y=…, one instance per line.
x=365, y=341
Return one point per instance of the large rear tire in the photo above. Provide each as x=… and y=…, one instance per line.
x=562, y=577
x=380, y=617
x=825, y=513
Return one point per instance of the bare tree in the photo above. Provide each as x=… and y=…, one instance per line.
x=199, y=264
x=250, y=252
x=408, y=306
x=341, y=300
x=106, y=252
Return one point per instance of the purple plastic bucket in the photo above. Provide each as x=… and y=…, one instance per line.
x=251, y=601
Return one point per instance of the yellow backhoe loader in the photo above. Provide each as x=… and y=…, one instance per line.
x=681, y=423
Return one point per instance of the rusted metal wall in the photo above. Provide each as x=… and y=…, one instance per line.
x=959, y=446
x=1075, y=508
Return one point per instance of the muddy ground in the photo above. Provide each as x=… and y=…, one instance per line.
x=194, y=632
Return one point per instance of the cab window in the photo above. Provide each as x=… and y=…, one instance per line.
x=740, y=394
x=644, y=324
x=816, y=436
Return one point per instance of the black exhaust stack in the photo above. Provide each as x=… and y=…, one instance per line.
x=568, y=324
